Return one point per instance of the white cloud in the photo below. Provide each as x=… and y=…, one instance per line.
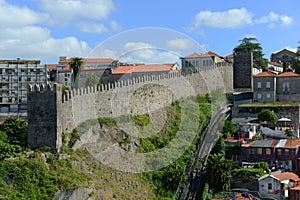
x=237, y=18
x=137, y=52
x=275, y=20
x=115, y=25
x=226, y=19
x=180, y=44
x=64, y=12
x=92, y=27
x=36, y=43
x=13, y=16
x=22, y=35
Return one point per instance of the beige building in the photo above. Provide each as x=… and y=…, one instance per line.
x=196, y=60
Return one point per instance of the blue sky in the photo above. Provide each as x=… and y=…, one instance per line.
x=143, y=31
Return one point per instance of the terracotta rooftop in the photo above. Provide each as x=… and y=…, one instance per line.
x=275, y=64
x=265, y=74
x=90, y=60
x=51, y=66
x=231, y=56
x=295, y=188
x=288, y=74
x=67, y=68
x=292, y=143
x=207, y=54
x=287, y=176
x=145, y=68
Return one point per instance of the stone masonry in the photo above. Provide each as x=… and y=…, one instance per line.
x=52, y=111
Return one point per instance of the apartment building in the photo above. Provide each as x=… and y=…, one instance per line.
x=15, y=75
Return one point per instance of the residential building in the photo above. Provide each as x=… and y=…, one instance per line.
x=137, y=70
x=283, y=56
x=275, y=66
x=279, y=153
x=270, y=87
x=15, y=75
x=277, y=185
x=264, y=87
x=196, y=61
x=63, y=74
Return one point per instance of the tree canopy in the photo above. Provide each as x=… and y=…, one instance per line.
x=92, y=80
x=267, y=116
x=76, y=64
x=251, y=45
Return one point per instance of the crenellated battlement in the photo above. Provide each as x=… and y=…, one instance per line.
x=52, y=111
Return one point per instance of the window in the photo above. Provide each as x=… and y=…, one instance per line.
x=251, y=151
x=259, y=95
x=286, y=86
x=268, y=84
x=258, y=84
x=269, y=186
x=268, y=96
x=278, y=152
x=259, y=151
x=287, y=152
x=268, y=151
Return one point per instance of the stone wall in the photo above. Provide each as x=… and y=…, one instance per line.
x=242, y=71
x=51, y=111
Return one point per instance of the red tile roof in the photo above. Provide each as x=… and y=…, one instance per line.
x=51, y=66
x=231, y=56
x=288, y=74
x=144, y=68
x=287, y=176
x=90, y=60
x=292, y=143
x=265, y=74
x=207, y=54
x=275, y=64
x=68, y=68
x=295, y=188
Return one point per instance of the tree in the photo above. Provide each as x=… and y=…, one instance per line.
x=76, y=65
x=267, y=116
x=16, y=131
x=92, y=80
x=295, y=64
x=219, y=172
x=228, y=127
x=251, y=45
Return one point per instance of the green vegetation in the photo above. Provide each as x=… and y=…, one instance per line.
x=228, y=128
x=251, y=45
x=76, y=64
x=92, y=80
x=40, y=174
x=267, y=116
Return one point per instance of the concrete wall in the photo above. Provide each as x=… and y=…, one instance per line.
x=52, y=112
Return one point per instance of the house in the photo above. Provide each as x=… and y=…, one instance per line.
x=276, y=185
x=278, y=153
x=283, y=56
x=275, y=66
x=139, y=70
x=197, y=60
x=264, y=87
x=63, y=74
x=270, y=87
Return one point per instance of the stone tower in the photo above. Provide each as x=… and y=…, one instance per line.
x=43, y=127
x=242, y=72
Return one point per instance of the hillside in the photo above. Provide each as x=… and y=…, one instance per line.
x=78, y=171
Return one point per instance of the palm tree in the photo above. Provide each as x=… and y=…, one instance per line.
x=76, y=65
